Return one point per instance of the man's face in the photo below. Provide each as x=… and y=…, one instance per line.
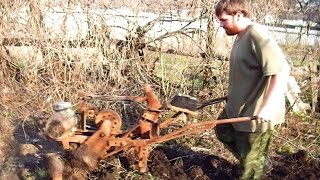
x=228, y=22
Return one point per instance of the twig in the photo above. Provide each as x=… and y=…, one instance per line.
x=299, y=148
x=24, y=132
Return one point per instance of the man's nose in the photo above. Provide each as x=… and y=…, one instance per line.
x=221, y=24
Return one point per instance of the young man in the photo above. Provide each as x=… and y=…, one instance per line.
x=257, y=81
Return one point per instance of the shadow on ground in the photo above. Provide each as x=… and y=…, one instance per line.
x=26, y=157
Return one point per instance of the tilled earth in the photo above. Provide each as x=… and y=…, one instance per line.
x=27, y=157
x=181, y=164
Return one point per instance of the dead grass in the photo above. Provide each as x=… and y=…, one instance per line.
x=34, y=77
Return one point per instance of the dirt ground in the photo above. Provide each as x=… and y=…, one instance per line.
x=25, y=153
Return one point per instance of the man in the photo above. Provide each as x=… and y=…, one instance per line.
x=257, y=81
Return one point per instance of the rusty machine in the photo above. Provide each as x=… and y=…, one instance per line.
x=107, y=138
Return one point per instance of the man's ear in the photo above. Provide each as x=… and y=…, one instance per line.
x=239, y=15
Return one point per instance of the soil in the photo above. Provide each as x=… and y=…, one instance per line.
x=26, y=154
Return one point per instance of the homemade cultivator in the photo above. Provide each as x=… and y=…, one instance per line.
x=106, y=138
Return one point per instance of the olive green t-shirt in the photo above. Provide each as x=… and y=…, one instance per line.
x=254, y=56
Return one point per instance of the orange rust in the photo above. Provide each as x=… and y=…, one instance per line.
x=85, y=111
x=109, y=115
x=55, y=166
x=143, y=153
x=94, y=148
x=152, y=99
x=150, y=116
x=82, y=106
x=145, y=129
x=107, y=140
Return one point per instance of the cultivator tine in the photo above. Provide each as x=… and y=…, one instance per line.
x=55, y=166
x=94, y=147
x=143, y=158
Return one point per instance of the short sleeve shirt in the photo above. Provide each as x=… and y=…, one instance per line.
x=254, y=56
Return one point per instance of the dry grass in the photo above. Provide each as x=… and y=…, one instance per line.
x=41, y=71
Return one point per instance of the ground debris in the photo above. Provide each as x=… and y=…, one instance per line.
x=298, y=165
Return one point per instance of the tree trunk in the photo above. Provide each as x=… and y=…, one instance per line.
x=209, y=54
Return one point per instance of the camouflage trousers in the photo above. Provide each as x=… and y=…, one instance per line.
x=250, y=148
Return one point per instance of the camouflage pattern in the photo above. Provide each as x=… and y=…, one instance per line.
x=249, y=148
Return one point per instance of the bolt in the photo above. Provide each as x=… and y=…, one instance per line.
x=102, y=135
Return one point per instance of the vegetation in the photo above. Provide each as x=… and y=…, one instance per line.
x=39, y=68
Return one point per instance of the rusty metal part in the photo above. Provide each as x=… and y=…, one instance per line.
x=86, y=111
x=55, y=166
x=198, y=127
x=204, y=104
x=107, y=139
x=183, y=103
x=109, y=115
x=95, y=147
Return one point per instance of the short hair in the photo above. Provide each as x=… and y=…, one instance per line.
x=231, y=7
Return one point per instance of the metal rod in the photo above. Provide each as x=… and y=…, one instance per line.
x=198, y=127
x=236, y=120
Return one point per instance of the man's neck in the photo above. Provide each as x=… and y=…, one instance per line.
x=243, y=26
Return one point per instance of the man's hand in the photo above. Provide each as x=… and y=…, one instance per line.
x=266, y=115
x=273, y=92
